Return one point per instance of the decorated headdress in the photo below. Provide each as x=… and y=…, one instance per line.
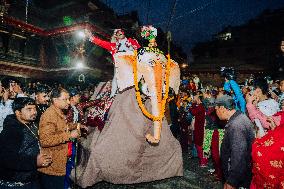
x=148, y=32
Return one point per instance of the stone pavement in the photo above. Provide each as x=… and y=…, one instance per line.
x=194, y=178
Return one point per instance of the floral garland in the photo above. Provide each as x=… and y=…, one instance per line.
x=150, y=49
x=138, y=95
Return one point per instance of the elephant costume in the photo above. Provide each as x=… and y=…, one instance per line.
x=121, y=153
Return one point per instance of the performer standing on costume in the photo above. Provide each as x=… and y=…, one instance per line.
x=118, y=43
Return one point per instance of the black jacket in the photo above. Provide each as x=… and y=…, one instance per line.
x=40, y=108
x=236, y=151
x=18, y=152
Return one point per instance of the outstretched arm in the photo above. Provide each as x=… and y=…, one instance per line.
x=102, y=43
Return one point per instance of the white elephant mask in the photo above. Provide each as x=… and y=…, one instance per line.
x=152, y=67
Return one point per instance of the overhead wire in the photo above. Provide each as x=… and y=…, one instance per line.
x=196, y=9
x=191, y=11
x=172, y=15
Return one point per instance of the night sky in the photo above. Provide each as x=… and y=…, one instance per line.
x=194, y=20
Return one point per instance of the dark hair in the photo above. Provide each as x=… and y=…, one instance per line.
x=19, y=83
x=73, y=92
x=214, y=92
x=226, y=101
x=199, y=94
x=6, y=82
x=262, y=84
x=42, y=89
x=56, y=93
x=20, y=102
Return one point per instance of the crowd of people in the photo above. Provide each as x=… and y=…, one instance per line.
x=50, y=134
x=239, y=120
x=201, y=118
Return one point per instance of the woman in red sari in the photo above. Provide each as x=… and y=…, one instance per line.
x=268, y=159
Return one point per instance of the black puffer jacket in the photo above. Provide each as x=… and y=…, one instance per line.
x=18, y=151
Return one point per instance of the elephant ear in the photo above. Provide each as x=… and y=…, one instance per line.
x=146, y=71
x=124, y=69
x=174, y=76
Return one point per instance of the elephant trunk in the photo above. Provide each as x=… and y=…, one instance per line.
x=156, y=102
